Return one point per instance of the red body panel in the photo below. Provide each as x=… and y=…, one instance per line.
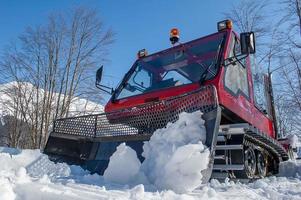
x=243, y=107
x=240, y=105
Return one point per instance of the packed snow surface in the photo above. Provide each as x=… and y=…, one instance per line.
x=29, y=175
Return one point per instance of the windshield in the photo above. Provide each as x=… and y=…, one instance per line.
x=188, y=63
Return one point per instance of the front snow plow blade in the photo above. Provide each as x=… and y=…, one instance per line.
x=90, y=140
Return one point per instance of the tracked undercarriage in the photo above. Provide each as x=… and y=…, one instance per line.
x=243, y=152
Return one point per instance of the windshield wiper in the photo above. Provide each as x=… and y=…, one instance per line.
x=214, y=62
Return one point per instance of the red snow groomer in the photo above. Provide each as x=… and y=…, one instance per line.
x=211, y=74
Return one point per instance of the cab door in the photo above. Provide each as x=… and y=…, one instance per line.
x=237, y=82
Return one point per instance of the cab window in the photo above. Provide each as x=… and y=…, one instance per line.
x=236, y=79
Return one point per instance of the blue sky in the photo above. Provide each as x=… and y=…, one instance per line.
x=137, y=24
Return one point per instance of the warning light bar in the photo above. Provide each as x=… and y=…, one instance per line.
x=226, y=24
x=142, y=53
x=174, y=36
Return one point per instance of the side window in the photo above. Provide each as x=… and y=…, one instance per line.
x=137, y=84
x=236, y=79
x=142, y=79
x=260, y=92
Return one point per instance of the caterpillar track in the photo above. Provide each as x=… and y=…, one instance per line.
x=243, y=152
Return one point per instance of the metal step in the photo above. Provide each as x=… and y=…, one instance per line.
x=229, y=147
x=239, y=125
x=228, y=167
x=220, y=138
x=220, y=175
x=233, y=129
x=219, y=157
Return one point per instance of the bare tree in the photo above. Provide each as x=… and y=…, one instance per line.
x=253, y=15
x=257, y=16
x=250, y=15
x=289, y=78
x=274, y=54
x=284, y=119
x=59, y=59
x=288, y=90
x=292, y=18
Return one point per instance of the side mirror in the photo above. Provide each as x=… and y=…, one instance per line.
x=99, y=75
x=247, y=43
x=104, y=88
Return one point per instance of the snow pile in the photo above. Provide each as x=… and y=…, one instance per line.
x=124, y=165
x=290, y=168
x=13, y=162
x=174, y=157
x=6, y=190
x=45, y=167
x=28, y=174
x=293, y=140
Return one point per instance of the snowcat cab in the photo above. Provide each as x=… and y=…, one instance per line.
x=211, y=74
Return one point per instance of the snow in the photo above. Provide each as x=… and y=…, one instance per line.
x=290, y=168
x=172, y=169
x=174, y=157
x=78, y=105
x=29, y=175
x=293, y=140
x=123, y=166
